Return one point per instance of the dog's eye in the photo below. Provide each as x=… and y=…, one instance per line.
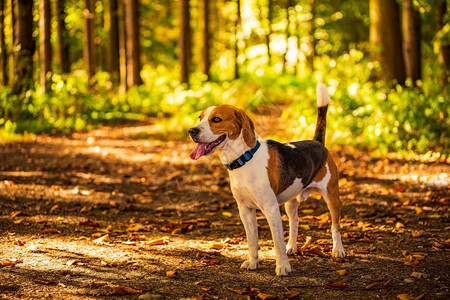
x=217, y=120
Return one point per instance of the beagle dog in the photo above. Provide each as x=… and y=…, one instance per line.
x=265, y=174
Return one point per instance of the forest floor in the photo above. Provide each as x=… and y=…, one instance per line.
x=122, y=212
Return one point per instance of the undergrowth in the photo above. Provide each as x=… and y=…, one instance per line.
x=362, y=112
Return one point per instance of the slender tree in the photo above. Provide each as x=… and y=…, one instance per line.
x=122, y=47
x=312, y=38
x=24, y=47
x=184, y=41
x=269, y=30
x=3, y=56
x=112, y=25
x=386, y=39
x=237, y=29
x=206, y=38
x=45, y=46
x=89, y=46
x=12, y=5
x=411, y=40
x=62, y=48
x=444, y=46
x=133, y=45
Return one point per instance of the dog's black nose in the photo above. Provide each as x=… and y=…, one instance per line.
x=194, y=131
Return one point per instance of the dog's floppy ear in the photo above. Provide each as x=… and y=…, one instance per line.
x=247, y=127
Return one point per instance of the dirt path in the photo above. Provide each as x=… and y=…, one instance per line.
x=108, y=215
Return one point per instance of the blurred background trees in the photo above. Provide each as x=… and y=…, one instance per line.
x=123, y=59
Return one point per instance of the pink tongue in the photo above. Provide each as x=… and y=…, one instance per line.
x=198, y=151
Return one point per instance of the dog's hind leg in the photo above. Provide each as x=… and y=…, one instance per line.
x=291, y=208
x=331, y=196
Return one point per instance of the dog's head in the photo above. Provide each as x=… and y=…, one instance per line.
x=217, y=126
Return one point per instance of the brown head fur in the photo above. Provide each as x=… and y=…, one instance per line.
x=234, y=121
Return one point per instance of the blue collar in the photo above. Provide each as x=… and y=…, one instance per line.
x=241, y=160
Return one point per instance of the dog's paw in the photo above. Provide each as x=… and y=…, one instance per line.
x=291, y=248
x=338, y=252
x=283, y=268
x=249, y=264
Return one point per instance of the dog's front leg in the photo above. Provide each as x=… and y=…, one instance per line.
x=248, y=217
x=273, y=216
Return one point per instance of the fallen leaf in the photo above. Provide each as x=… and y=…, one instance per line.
x=217, y=246
x=337, y=285
x=125, y=290
x=306, y=244
x=318, y=252
x=11, y=262
x=292, y=294
x=417, y=233
x=388, y=283
x=419, y=297
x=171, y=274
x=43, y=281
x=227, y=214
x=89, y=223
x=244, y=291
x=415, y=264
x=361, y=251
x=263, y=296
x=372, y=285
x=51, y=230
x=304, y=226
x=16, y=213
x=101, y=240
x=403, y=297
x=342, y=272
x=158, y=241
x=377, y=279
x=399, y=225
x=18, y=242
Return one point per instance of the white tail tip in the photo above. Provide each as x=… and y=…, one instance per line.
x=322, y=95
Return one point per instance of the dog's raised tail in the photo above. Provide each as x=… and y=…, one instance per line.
x=322, y=107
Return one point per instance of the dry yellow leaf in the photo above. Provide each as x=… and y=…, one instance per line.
x=403, y=297
x=171, y=274
x=342, y=272
x=399, y=225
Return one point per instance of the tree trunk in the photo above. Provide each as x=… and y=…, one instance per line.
x=45, y=46
x=312, y=39
x=112, y=25
x=184, y=42
x=411, y=40
x=23, y=47
x=290, y=6
x=237, y=28
x=122, y=47
x=133, y=45
x=444, y=47
x=89, y=46
x=386, y=39
x=206, y=38
x=269, y=32
x=12, y=4
x=61, y=46
x=3, y=57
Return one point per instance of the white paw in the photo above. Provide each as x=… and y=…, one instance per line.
x=250, y=264
x=338, y=252
x=291, y=248
x=283, y=268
